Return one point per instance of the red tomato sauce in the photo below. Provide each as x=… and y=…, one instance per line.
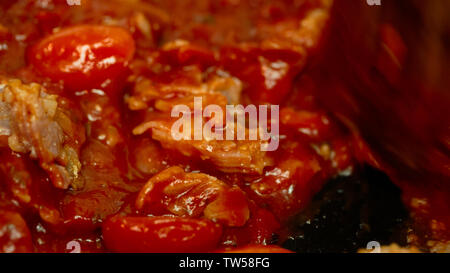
x=110, y=66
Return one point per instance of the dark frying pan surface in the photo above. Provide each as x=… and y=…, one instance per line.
x=349, y=213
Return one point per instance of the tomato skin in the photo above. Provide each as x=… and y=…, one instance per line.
x=230, y=208
x=188, y=54
x=267, y=73
x=288, y=186
x=263, y=226
x=83, y=56
x=161, y=234
x=259, y=229
x=313, y=125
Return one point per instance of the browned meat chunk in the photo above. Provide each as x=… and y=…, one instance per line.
x=34, y=123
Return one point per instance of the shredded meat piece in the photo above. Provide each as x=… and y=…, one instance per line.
x=229, y=156
x=146, y=8
x=220, y=88
x=303, y=35
x=228, y=86
x=34, y=123
x=194, y=195
x=243, y=156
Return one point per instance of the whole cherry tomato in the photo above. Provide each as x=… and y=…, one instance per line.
x=161, y=234
x=84, y=56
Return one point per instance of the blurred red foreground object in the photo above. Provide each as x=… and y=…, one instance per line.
x=391, y=63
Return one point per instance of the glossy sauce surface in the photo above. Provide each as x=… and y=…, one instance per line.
x=117, y=181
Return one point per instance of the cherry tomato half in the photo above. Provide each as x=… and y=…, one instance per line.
x=162, y=234
x=84, y=56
